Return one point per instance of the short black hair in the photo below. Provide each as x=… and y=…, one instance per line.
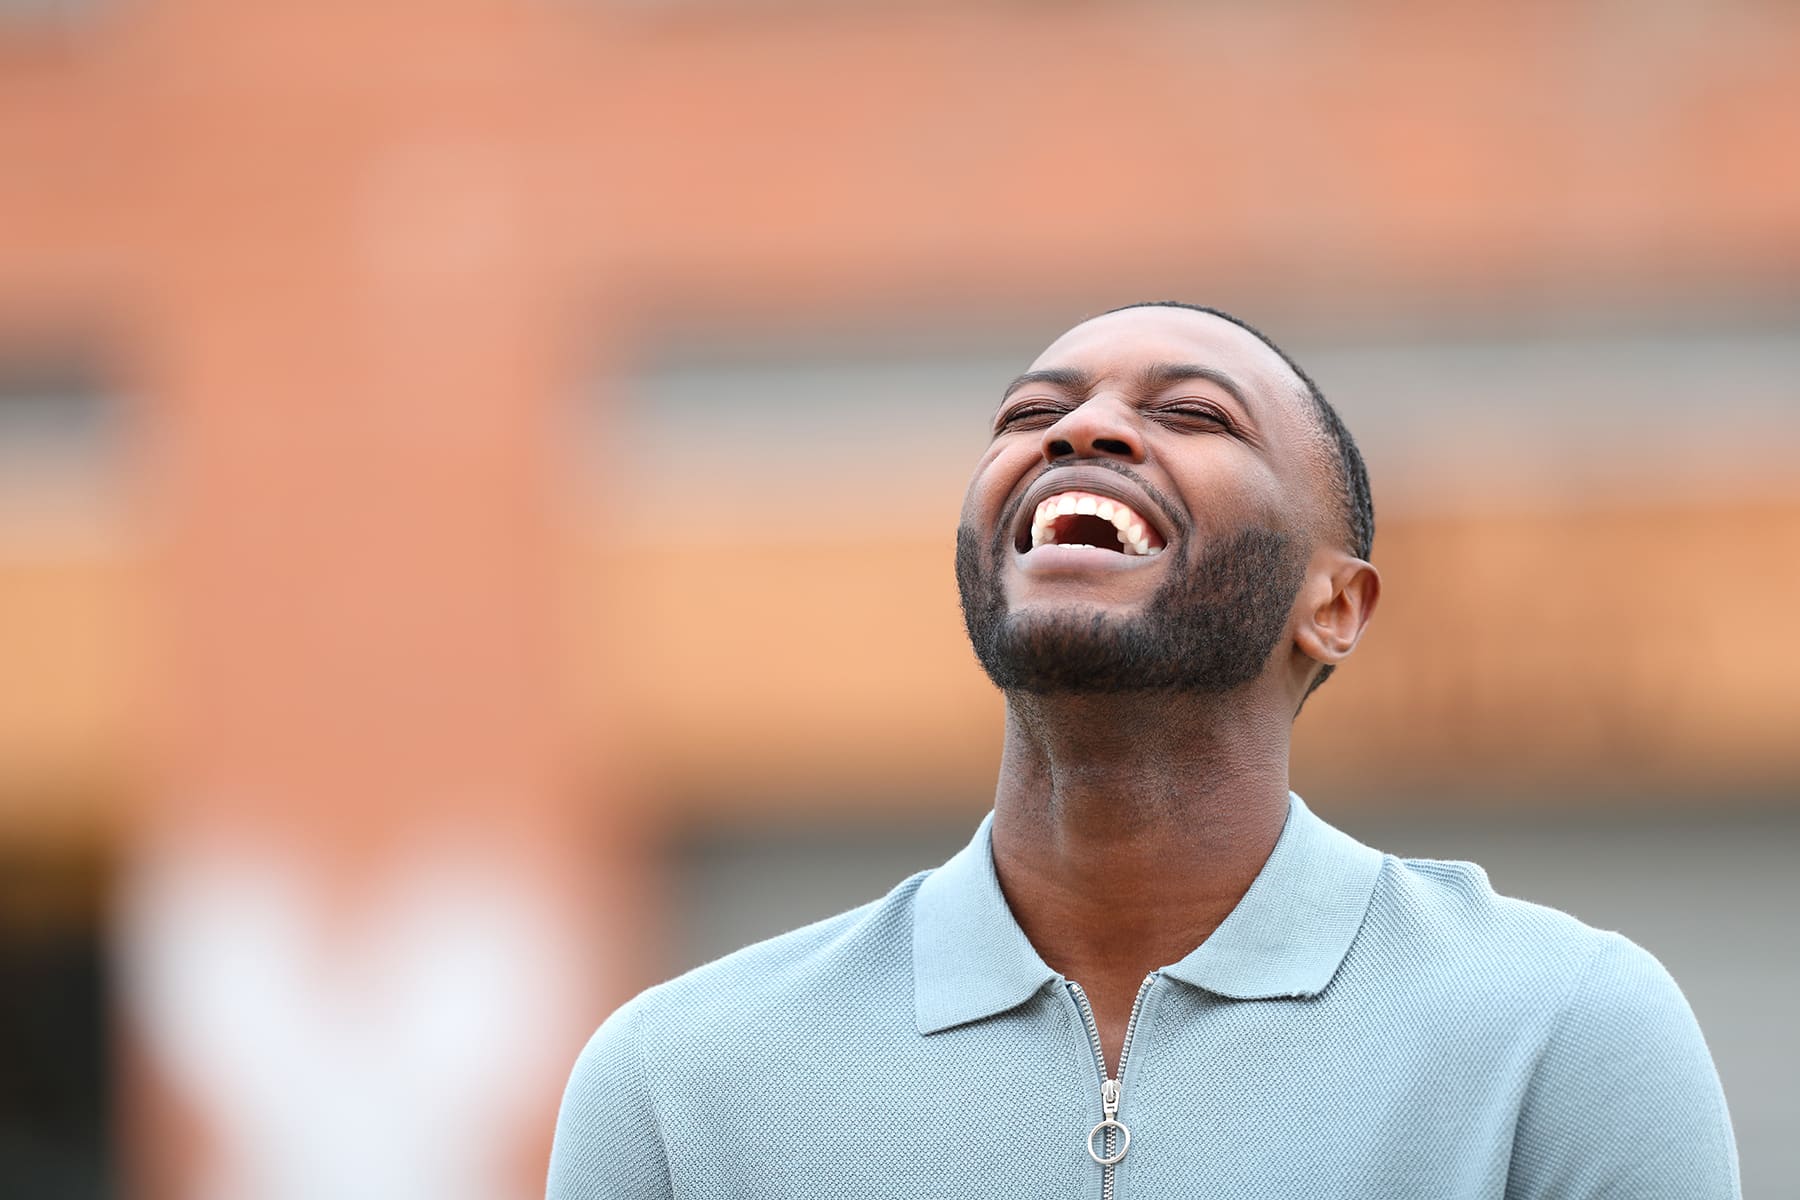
x=1349, y=476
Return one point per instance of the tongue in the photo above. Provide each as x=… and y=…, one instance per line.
x=1085, y=529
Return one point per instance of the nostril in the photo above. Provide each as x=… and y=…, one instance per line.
x=1111, y=446
x=1058, y=448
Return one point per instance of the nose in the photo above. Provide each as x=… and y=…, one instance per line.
x=1099, y=427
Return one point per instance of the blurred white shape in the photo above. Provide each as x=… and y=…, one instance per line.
x=390, y=1051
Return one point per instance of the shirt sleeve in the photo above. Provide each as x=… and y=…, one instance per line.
x=608, y=1140
x=1625, y=1102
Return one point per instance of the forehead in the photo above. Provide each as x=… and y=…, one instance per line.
x=1117, y=347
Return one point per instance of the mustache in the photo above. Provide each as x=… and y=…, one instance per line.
x=1009, y=515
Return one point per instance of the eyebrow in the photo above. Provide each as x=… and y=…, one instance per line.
x=1164, y=375
x=1067, y=378
x=1154, y=378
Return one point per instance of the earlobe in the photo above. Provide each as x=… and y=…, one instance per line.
x=1332, y=628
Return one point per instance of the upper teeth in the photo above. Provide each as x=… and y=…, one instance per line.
x=1134, y=532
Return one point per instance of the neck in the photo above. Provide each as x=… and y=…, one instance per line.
x=1126, y=828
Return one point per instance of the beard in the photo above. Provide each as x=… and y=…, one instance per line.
x=1209, y=629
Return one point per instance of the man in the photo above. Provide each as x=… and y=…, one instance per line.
x=1154, y=972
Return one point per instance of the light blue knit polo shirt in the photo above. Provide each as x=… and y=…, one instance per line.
x=1360, y=1026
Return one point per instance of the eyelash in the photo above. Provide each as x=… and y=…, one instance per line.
x=1178, y=411
x=1195, y=410
x=1027, y=411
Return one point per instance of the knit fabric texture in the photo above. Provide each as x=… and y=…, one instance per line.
x=1360, y=1026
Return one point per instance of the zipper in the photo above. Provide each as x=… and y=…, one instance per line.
x=1110, y=1128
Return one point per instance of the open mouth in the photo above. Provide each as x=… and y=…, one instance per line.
x=1088, y=521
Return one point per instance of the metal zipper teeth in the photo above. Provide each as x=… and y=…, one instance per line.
x=1137, y=1006
x=1093, y=1028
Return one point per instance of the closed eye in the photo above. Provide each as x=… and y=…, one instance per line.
x=1027, y=413
x=1193, y=412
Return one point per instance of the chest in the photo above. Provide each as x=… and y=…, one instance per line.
x=1264, y=1099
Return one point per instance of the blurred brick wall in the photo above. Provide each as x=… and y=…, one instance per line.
x=352, y=265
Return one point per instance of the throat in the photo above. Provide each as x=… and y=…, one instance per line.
x=1135, y=758
x=1124, y=833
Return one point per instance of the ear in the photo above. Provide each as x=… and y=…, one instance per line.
x=1340, y=595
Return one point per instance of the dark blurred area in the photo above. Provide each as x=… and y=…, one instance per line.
x=55, y=1049
x=478, y=482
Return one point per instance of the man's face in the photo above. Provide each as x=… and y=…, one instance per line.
x=1143, y=517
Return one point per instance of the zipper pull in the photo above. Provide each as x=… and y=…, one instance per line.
x=1109, y=1104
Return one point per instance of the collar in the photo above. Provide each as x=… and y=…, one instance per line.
x=1286, y=937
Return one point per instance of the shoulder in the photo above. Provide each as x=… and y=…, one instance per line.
x=1439, y=939
x=1616, y=1091
x=1447, y=914
x=1623, y=1098
x=858, y=959
x=707, y=1037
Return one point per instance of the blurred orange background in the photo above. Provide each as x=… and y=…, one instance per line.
x=478, y=482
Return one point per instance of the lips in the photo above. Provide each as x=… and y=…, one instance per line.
x=1100, y=511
